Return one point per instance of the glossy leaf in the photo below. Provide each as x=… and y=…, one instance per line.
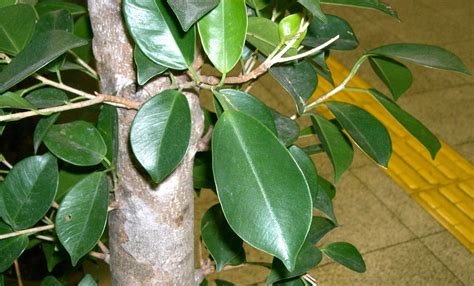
x=258, y=181
x=146, y=68
x=69, y=176
x=17, y=23
x=36, y=55
x=223, y=32
x=370, y=4
x=157, y=33
x=53, y=5
x=83, y=29
x=320, y=32
x=425, y=55
x=202, y=171
x=82, y=215
x=295, y=281
x=415, y=127
x=320, y=226
x=396, y=76
x=53, y=256
x=246, y=103
x=258, y=4
x=221, y=241
x=55, y=20
x=314, y=7
x=10, y=248
x=50, y=281
x=335, y=144
x=14, y=100
x=345, y=254
x=262, y=33
x=288, y=29
x=308, y=257
x=42, y=128
x=161, y=132
x=4, y=3
x=367, y=132
x=87, y=280
x=77, y=142
x=108, y=125
x=47, y=97
x=189, y=12
x=327, y=187
x=28, y=191
x=319, y=63
x=299, y=80
x=286, y=128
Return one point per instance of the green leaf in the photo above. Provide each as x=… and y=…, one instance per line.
x=258, y=4
x=425, y=55
x=17, y=23
x=47, y=97
x=370, y=4
x=10, y=248
x=221, y=241
x=189, y=12
x=42, y=49
x=308, y=257
x=42, y=128
x=223, y=32
x=69, y=176
x=14, y=100
x=413, y=126
x=78, y=143
x=87, y=280
x=50, y=281
x=327, y=187
x=53, y=256
x=286, y=128
x=202, y=171
x=107, y=124
x=55, y=20
x=28, y=191
x=223, y=282
x=367, y=132
x=158, y=35
x=262, y=33
x=345, y=254
x=46, y=6
x=319, y=63
x=299, y=80
x=160, y=133
x=288, y=29
x=320, y=226
x=246, y=103
x=314, y=8
x=146, y=68
x=83, y=29
x=320, y=32
x=396, y=76
x=4, y=3
x=82, y=215
x=258, y=181
x=335, y=144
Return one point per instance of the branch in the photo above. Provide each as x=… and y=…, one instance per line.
x=27, y=231
x=101, y=256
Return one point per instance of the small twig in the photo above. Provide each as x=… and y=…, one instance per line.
x=101, y=256
x=18, y=272
x=102, y=247
x=27, y=231
x=310, y=279
x=249, y=86
x=6, y=58
x=203, y=144
x=6, y=163
x=84, y=65
x=55, y=205
x=45, y=237
x=310, y=52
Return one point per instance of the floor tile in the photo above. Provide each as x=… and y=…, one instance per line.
x=453, y=255
x=404, y=208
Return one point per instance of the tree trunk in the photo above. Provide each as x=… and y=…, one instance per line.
x=151, y=232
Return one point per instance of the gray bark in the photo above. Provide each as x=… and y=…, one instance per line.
x=151, y=233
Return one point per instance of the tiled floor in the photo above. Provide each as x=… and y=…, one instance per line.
x=401, y=243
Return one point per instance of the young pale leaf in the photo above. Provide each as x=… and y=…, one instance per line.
x=161, y=132
x=107, y=124
x=17, y=23
x=314, y=7
x=370, y=4
x=320, y=226
x=189, y=12
x=42, y=128
x=44, y=7
x=396, y=76
x=367, y=132
x=47, y=97
x=263, y=193
x=146, y=68
x=246, y=103
x=413, y=126
x=14, y=100
x=158, y=35
x=87, y=280
x=28, y=191
x=223, y=32
x=221, y=241
x=335, y=144
x=299, y=80
x=262, y=33
x=286, y=128
x=425, y=55
x=38, y=53
x=288, y=29
x=345, y=254
x=77, y=142
x=82, y=215
x=308, y=257
x=10, y=248
x=50, y=281
x=320, y=32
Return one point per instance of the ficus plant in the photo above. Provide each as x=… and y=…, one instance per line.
x=173, y=112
